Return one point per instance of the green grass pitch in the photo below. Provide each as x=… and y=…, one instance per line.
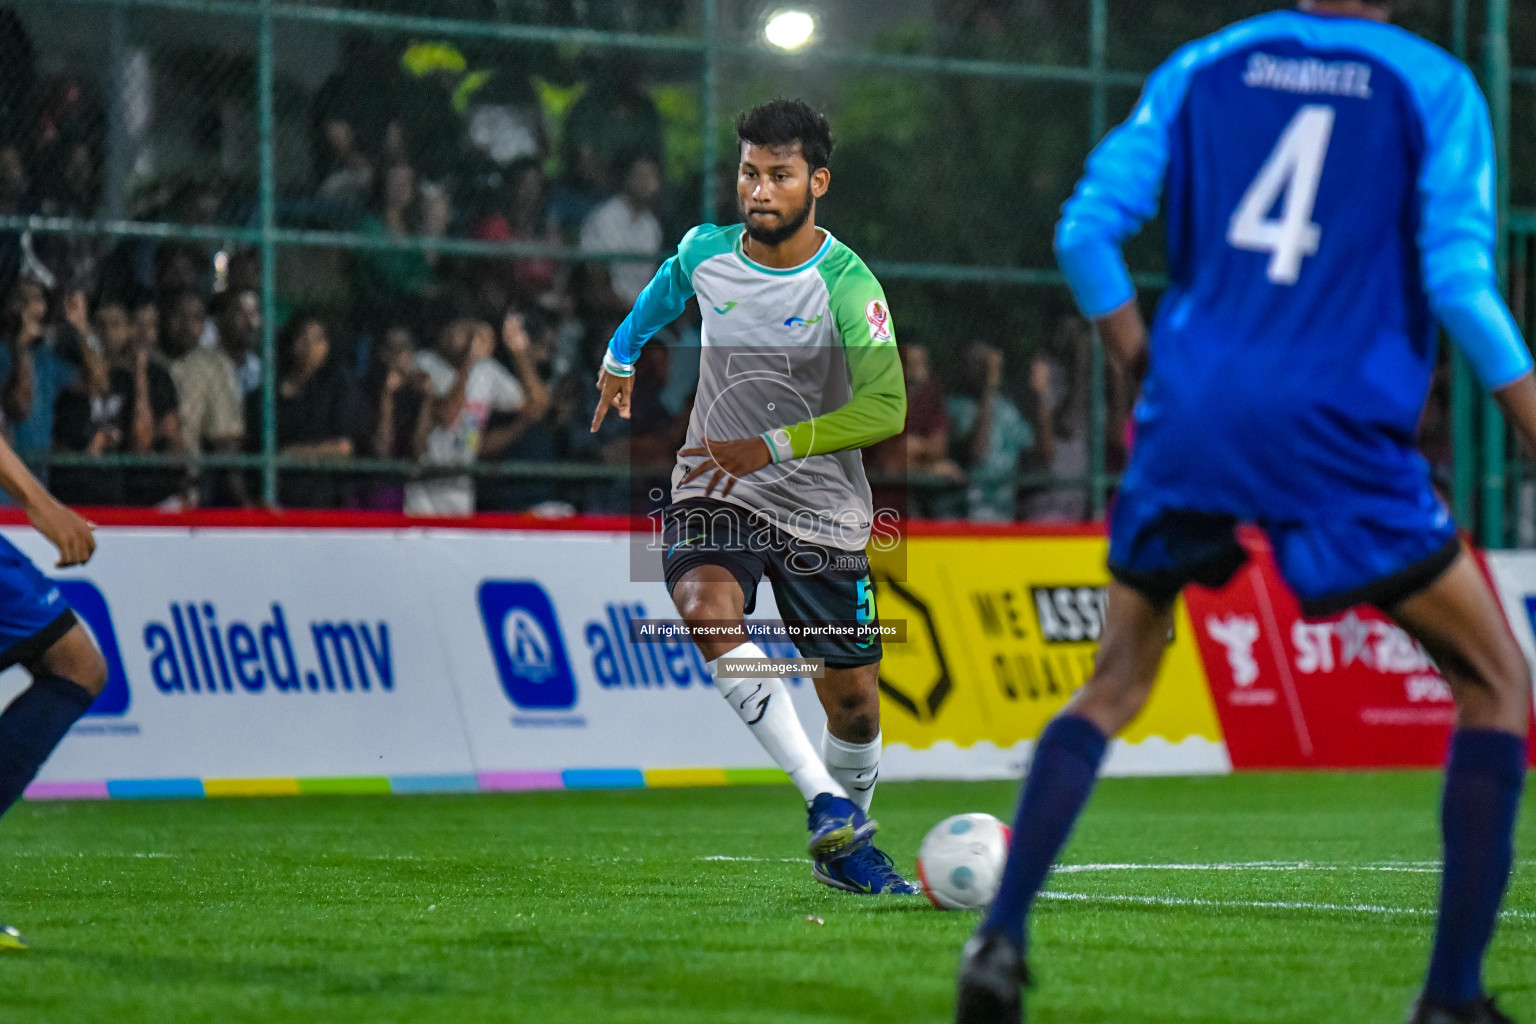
x=605, y=907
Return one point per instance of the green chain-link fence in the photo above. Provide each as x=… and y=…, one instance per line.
x=387, y=165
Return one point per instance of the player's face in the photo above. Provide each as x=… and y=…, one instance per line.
x=777, y=191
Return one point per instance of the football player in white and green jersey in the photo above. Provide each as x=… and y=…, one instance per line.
x=798, y=372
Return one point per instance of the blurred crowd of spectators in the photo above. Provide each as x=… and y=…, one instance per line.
x=152, y=346
x=177, y=373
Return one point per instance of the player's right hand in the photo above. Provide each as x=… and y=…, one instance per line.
x=616, y=392
x=68, y=532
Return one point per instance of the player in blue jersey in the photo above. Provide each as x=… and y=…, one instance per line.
x=1329, y=188
x=39, y=631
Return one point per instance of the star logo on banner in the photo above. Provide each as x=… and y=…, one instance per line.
x=1354, y=640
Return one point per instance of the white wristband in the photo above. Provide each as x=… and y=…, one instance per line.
x=779, y=448
x=615, y=367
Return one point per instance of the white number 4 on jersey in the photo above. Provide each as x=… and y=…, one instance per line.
x=1295, y=168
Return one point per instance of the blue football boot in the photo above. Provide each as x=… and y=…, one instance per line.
x=866, y=870
x=838, y=827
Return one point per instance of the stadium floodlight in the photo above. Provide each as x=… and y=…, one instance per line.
x=790, y=30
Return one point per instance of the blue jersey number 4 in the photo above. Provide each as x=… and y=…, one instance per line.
x=1295, y=168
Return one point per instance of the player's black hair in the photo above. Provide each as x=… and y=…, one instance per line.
x=783, y=122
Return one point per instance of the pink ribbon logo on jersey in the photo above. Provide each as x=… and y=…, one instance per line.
x=879, y=320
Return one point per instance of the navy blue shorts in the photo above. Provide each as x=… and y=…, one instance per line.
x=33, y=614
x=811, y=584
x=1331, y=565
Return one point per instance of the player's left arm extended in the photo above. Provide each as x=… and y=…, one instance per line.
x=1119, y=192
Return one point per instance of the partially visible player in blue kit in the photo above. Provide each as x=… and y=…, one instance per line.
x=39, y=632
x=1328, y=181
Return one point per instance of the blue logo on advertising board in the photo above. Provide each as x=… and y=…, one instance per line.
x=526, y=642
x=91, y=608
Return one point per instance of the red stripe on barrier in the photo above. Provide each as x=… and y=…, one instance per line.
x=938, y=528
x=347, y=519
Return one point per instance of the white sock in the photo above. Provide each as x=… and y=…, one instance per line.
x=763, y=703
x=855, y=765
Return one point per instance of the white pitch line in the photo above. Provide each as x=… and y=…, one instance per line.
x=1416, y=867
x=1406, y=867
x=1180, y=901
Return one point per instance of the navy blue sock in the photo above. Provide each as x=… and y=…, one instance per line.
x=1060, y=781
x=1483, y=779
x=32, y=726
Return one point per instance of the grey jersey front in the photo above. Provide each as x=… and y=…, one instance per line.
x=804, y=358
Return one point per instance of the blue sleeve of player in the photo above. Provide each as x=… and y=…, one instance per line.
x=1119, y=193
x=662, y=302
x=1458, y=232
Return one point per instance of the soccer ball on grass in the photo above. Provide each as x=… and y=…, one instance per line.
x=960, y=863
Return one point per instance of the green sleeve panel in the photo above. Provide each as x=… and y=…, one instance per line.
x=878, y=406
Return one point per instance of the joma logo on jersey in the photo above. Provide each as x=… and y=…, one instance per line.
x=1070, y=615
x=722, y=310
x=526, y=645
x=800, y=321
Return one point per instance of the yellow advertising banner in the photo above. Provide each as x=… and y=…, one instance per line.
x=1001, y=631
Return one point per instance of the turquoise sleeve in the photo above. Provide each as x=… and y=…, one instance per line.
x=662, y=302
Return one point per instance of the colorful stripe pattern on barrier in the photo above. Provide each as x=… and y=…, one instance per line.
x=486, y=782
x=316, y=674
